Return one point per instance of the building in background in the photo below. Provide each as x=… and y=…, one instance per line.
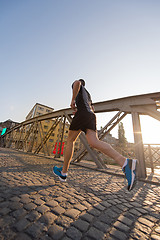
x=4, y=127
x=41, y=129
x=57, y=140
x=8, y=124
x=39, y=109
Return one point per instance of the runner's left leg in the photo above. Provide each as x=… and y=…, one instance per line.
x=61, y=172
x=72, y=136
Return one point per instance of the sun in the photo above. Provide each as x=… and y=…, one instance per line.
x=150, y=128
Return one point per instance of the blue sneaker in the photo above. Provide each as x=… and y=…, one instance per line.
x=57, y=172
x=130, y=172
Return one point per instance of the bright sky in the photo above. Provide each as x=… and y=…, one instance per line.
x=46, y=45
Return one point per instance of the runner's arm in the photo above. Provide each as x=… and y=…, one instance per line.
x=76, y=88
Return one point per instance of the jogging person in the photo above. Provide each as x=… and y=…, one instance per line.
x=85, y=120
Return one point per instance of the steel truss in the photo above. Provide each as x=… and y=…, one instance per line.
x=24, y=135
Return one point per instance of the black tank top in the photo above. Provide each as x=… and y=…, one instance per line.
x=83, y=100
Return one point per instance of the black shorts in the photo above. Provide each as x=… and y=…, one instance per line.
x=83, y=121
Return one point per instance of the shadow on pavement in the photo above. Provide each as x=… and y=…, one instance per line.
x=90, y=205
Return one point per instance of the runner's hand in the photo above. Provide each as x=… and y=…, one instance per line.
x=73, y=106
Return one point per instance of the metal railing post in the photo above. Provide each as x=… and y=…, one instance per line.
x=150, y=157
x=139, y=149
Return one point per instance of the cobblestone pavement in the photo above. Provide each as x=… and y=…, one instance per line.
x=90, y=205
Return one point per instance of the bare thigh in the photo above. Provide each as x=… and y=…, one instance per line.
x=72, y=135
x=92, y=138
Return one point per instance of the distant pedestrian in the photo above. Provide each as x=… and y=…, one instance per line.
x=85, y=120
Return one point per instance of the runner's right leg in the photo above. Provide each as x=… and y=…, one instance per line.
x=128, y=165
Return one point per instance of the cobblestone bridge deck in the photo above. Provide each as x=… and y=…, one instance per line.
x=90, y=205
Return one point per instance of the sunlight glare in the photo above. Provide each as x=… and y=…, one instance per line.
x=150, y=127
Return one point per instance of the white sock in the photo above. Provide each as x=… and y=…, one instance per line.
x=125, y=163
x=63, y=174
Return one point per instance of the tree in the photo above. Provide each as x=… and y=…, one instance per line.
x=121, y=135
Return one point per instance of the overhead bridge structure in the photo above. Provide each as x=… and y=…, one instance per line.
x=25, y=133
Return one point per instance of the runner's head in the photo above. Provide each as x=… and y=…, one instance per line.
x=82, y=82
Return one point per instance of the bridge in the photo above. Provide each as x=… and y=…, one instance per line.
x=24, y=135
x=34, y=204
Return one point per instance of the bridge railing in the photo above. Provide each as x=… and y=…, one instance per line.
x=152, y=156
x=31, y=135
